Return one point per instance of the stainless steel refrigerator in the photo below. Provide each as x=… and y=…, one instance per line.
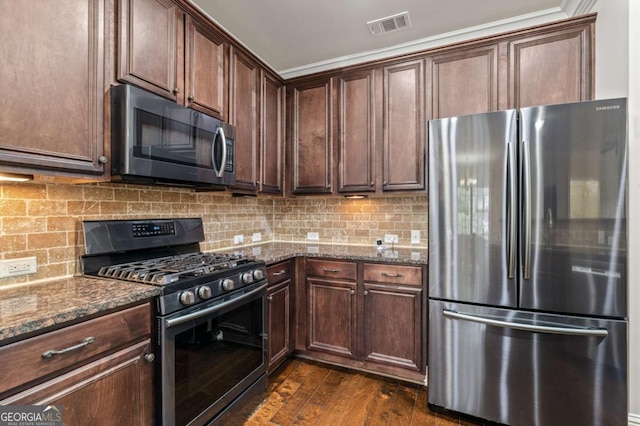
x=528, y=264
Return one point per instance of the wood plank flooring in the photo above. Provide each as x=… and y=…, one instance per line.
x=303, y=392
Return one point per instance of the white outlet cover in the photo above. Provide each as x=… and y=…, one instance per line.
x=257, y=236
x=415, y=236
x=390, y=238
x=238, y=239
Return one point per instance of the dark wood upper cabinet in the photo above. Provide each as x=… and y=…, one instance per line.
x=168, y=52
x=463, y=81
x=552, y=67
x=151, y=32
x=245, y=86
x=272, y=115
x=404, y=126
x=205, y=69
x=312, y=138
x=53, y=71
x=356, y=132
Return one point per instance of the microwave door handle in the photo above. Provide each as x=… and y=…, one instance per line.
x=219, y=170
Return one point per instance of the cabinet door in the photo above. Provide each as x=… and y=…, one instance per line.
x=53, y=83
x=148, y=47
x=115, y=389
x=356, y=132
x=332, y=316
x=463, y=82
x=551, y=68
x=244, y=115
x=271, y=134
x=279, y=322
x=205, y=55
x=392, y=325
x=312, y=138
x=404, y=127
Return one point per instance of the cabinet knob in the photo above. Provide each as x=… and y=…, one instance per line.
x=269, y=298
x=190, y=98
x=366, y=292
x=102, y=159
x=384, y=183
x=149, y=357
x=176, y=90
x=352, y=292
x=328, y=186
x=371, y=183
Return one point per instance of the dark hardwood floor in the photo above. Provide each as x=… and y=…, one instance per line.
x=303, y=392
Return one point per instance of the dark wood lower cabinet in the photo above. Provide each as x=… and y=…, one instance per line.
x=279, y=322
x=392, y=325
x=366, y=315
x=332, y=316
x=115, y=389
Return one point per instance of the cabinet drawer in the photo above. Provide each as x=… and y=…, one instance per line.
x=331, y=269
x=25, y=361
x=396, y=274
x=279, y=272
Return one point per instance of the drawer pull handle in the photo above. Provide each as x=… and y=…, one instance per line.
x=85, y=342
x=331, y=270
x=277, y=274
x=386, y=274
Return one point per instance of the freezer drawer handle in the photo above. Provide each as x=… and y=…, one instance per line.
x=599, y=332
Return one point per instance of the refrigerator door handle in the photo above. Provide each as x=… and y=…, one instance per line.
x=526, y=214
x=570, y=331
x=511, y=211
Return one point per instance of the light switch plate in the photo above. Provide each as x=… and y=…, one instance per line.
x=415, y=236
x=257, y=236
x=238, y=239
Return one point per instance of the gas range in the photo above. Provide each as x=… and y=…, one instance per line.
x=166, y=253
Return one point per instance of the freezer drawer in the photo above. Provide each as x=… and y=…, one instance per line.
x=548, y=370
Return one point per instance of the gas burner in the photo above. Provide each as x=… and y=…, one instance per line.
x=167, y=270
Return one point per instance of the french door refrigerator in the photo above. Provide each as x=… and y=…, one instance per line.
x=528, y=264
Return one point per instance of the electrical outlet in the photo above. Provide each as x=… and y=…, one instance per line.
x=21, y=266
x=415, y=236
x=391, y=238
x=313, y=236
x=257, y=236
x=238, y=239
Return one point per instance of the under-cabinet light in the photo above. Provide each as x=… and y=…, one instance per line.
x=15, y=177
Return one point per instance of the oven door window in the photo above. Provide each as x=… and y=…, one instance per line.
x=173, y=141
x=214, y=356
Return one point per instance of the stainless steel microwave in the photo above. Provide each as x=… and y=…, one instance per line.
x=156, y=141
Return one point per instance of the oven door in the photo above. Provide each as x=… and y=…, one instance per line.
x=211, y=356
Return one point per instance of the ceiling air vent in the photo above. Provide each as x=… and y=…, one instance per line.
x=396, y=22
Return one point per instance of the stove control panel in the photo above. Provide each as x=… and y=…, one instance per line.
x=153, y=229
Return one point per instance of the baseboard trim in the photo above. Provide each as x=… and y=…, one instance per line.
x=634, y=419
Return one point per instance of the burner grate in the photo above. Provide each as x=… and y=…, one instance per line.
x=167, y=270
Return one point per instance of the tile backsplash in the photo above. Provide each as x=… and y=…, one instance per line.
x=45, y=220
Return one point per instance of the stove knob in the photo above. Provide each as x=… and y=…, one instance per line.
x=187, y=297
x=247, y=278
x=228, y=284
x=204, y=292
x=258, y=274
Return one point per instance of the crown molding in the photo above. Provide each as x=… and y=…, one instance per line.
x=479, y=31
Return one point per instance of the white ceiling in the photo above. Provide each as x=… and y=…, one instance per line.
x=297, y=37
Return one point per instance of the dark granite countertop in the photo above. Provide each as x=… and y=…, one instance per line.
x=30, y=308
x=275, y=251
x=34, y=307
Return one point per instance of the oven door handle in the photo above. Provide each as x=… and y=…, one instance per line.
x=199, y=314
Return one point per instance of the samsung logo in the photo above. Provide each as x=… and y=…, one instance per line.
x=608, y=107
